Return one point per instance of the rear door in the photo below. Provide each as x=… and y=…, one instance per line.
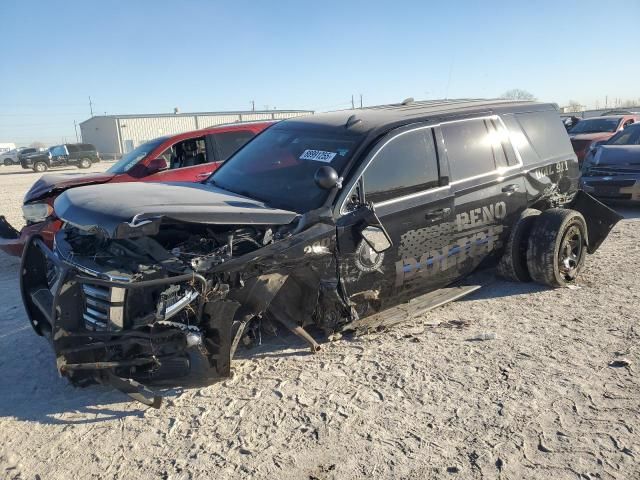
x=406, y=184
x=60, y=155
x=489, y=189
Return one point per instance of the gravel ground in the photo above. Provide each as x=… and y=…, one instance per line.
x=423, y=400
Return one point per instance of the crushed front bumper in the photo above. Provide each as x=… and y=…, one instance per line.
x=83, y=317
x=13, y=241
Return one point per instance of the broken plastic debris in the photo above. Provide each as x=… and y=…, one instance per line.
x=485, y=336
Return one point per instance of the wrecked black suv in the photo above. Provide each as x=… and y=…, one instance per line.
x=321, y=221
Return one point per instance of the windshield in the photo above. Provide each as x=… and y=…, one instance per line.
x=628, y=136
x=130, y=159
x=278, y=166
x=595, y=125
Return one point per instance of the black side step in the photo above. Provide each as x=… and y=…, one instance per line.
x=407, y=311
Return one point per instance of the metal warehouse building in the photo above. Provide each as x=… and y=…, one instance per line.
x=114, y=135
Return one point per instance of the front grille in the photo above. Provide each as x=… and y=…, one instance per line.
x=103, y=307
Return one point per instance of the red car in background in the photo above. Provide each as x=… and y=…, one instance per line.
x=187, y=157
x=589, y=131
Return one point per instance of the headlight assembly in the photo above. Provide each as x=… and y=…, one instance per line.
x=36, y=212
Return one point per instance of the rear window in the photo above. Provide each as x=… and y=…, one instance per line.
x=538, y=136
x=229, y=143
x=628, y=136
x=86, y=147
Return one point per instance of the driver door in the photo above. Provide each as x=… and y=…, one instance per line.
x=404, y=183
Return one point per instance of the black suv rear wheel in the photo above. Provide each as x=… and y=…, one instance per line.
x=513, y=263
x=557, y=247
x=85, y=163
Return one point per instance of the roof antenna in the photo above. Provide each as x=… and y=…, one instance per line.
x=407, y=101
x=351, y=121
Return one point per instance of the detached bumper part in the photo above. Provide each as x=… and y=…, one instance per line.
x=13, y=241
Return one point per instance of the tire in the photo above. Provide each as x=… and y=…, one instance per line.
x=40, y=167
x=557, y=247
x=84, y=163
x=513, y=263
x=8, y=162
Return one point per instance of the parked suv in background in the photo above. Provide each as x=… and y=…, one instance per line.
x=326, y=220
x=10, y=157
x=586, y=133
x=187, y=157
x=82, y=155
x=611, y=170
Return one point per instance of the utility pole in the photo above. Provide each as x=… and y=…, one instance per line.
x=75, y=126
x=606, y=101
x=360, y=100
x=352, y=104
x=253, y=105
x=90, y=106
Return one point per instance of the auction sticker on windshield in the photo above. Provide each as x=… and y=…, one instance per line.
x=317, y=155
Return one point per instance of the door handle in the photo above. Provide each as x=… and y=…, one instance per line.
x=436, y=214
x=204, y=174
x=511, y=188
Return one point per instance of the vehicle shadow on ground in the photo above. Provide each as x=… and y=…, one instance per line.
x=31, y=172
x=31, y=389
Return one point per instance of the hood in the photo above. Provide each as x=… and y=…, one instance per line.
x=591, y=136
x=61, y=181
x=118, y=210
x=625, y=157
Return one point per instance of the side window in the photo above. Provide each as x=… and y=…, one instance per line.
x=502, y=149
x=627, y=123
x=73, y=148
x=469, y=148
x=188, y=153
x=230, y=142
x=407, y=164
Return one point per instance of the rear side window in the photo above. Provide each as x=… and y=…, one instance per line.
x=229, y=142
x=87, y=147
x=73, y=148
x=544, y=133
x=405, y=165
x=469, y=147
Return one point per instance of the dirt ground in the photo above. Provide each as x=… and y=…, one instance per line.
x=555, y=395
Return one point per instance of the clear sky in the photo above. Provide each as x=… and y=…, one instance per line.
x=151, y=56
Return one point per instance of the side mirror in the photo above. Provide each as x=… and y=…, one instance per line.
x=376, y=238
x=157, y=165
x=326, y=178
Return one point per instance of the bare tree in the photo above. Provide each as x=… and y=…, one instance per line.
x=37, y=145
x=575, y=106
x=628, y=103
x=518, y=94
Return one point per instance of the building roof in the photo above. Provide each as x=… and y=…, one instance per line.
x=197, y=114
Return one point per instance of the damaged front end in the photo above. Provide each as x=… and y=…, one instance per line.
x=136, y=309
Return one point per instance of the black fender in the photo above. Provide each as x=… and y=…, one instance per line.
x=600, y=218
